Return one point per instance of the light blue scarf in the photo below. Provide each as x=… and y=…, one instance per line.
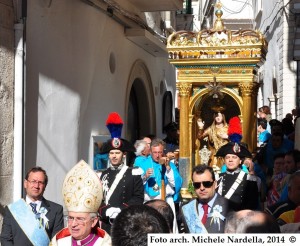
x=28, y=223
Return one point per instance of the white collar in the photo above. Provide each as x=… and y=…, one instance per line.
x=38, y=202
x=115, y=167
x=233, y=172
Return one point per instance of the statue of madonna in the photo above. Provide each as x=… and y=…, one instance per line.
x=216, y=135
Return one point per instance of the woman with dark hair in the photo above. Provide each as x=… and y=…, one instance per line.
x=264, y=112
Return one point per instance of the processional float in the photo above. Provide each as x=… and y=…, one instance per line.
x=217, y=68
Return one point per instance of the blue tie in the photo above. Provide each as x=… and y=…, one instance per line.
x=33, y=207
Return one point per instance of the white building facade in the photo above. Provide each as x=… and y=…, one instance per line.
x=278, y=76
x=76, y=61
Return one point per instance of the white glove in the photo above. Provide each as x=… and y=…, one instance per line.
x=290, y=228
x=112, y=212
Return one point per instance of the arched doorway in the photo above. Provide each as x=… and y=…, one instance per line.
x=140, y=108
x=139, y=117
x=167, y=109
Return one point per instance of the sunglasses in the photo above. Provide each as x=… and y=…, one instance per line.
x=206, y=184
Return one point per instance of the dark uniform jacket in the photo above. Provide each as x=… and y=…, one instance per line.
x=246, y=194
x=279, y=208
x=211, y=225
x=129, y=191
x=12, y=234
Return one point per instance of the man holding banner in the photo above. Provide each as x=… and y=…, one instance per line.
x=161, y=177
x=33, y=220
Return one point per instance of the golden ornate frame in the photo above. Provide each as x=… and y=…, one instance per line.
x=231, y=57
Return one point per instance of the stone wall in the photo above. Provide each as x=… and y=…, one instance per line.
x=6, y=102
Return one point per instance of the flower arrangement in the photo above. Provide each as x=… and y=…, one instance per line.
x=216, y=215
x=41, y=217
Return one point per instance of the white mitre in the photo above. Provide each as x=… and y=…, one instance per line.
x=82, y=189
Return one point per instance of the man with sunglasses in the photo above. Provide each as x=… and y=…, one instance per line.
x=33, y=220
x=207, y=213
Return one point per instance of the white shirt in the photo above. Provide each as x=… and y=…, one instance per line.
x=38, y=203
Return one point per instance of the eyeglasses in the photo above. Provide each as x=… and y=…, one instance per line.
x=78, y=220
x=206, y=184
x=158, y=153
x=35, y=182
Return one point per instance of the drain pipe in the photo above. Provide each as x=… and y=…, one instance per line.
x=18, y=112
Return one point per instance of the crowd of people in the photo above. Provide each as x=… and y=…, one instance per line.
x=125, y=201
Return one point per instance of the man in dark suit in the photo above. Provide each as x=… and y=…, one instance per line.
x=207, y=213
x=33, y=220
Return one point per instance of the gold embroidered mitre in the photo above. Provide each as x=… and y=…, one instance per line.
x=82, y=189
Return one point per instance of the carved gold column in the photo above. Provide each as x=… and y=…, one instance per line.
x=184, y=90
x=254, y=113
x=184, y=94
x=247, y=92
x=196, y=142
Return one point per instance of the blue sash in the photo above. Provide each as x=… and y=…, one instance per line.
x=192, y=218
x=28, y=223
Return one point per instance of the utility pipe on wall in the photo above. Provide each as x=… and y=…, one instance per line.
x=18, y=112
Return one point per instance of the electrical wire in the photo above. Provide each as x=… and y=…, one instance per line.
x=282, y=8
x=235, y=11
x=271, y=12
x=212, y=5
